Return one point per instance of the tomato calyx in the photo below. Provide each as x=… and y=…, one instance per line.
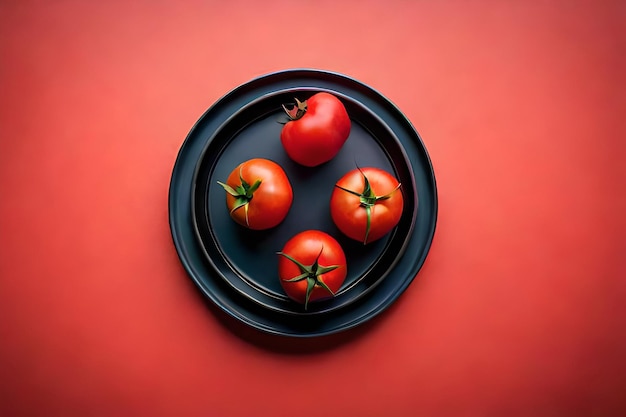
x=243, y=193
x=368, y=200
x=312, y=273
x=296, y=111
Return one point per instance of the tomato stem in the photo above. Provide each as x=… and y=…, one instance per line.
x=312, y=273
x=368, y=200
x=296, y=111
x=243, y=193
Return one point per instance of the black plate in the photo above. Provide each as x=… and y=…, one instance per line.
x=236, y=267
x=247, y=259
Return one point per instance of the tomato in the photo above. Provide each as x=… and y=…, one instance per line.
x=312, y=266
x=366, y=204
x=318, y=129
x=258, y=194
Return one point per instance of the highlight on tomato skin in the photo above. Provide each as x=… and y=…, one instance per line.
x=311, y=267
x=317, y=129
x=258, y=194
x=366, y=204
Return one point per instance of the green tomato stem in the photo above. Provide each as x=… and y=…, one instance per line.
x=243, y=193
x=367, y=200
x=312, y=273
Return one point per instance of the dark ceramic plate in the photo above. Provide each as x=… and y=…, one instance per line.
x=237, y=268
x=247, y=259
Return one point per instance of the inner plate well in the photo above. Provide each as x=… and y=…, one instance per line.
x=247, y=260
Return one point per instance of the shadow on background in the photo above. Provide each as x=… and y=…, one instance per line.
x=292, y=345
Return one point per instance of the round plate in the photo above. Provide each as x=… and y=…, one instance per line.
x=235, y=267
x=247, y=259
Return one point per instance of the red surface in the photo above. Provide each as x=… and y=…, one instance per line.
x=518, y=311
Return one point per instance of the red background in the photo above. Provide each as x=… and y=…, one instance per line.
x=518, y=311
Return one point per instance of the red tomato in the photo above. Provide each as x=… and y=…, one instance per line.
x=258, y=194
x=366, y=204
x=312, y=267
x=318, y=129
